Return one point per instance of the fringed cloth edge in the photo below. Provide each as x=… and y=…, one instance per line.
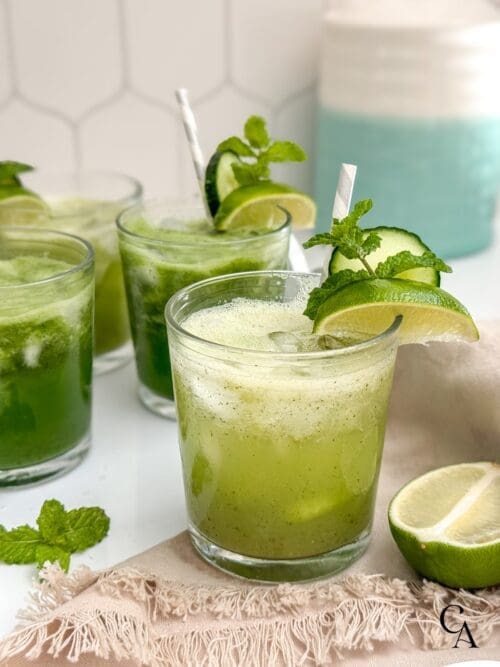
x=285, y=624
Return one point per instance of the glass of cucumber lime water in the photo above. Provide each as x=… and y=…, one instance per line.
x=46, y=332
x=166, y=246
x=281, y=430
x=87, y=204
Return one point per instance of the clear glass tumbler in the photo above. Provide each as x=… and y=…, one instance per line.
x=87, y=204
x=46, y=338
x=164, y=247
x=281, y=450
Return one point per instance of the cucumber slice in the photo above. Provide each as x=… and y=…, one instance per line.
x=219, y=178
x=394, y=240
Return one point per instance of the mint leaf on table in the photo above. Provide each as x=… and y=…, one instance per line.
x=405, y=260
x=19, y=545
x=257, y=151
x=60, y=533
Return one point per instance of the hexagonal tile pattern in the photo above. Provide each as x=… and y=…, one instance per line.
x=173, y=44
x=134, y=137
x=274, y=46
x=36, y=138
x=296, y=122
x=218, y=117
x=67, y=53
x=5, y=82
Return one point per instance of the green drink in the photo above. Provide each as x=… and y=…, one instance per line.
x=281, y=431
x=87, y=204
x=46, y=330
x=164, y=249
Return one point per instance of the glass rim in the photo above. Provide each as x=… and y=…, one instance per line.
x=128, y=200
x=233, y=241
x=86, y=261
x=268, y=354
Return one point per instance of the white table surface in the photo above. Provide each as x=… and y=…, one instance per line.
x=133, y=470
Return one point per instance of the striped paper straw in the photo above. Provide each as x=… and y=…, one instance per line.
x=191, y=131
x=342, y=201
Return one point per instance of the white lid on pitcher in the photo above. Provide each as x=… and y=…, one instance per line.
x=432, y=58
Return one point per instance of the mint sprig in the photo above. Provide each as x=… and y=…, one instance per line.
x=257, y=151
x=60, y=533
x=356, y=243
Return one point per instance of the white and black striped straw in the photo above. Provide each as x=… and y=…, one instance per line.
x=191, y=131
x=342, y=201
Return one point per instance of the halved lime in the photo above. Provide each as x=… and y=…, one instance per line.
x=219, y=178
x=259, y=207
x=447, y=524
x=19, y=206
x=429, y=313
x=393, y=240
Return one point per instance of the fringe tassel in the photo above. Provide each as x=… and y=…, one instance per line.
x=289, y=624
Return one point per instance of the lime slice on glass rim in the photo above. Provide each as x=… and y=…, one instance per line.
x=259, y=208
x=19, y=206
x=429, y=313
x=447, y=524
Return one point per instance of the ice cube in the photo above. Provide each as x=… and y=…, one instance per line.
x=304, y=341
x=286, y=341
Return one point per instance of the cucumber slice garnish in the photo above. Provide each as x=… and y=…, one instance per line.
x=219, y=178
x=394, y=240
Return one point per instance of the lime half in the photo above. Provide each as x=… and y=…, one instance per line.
x=447, y=524
x=258, y=208
x=21, y=207
x=429, y=313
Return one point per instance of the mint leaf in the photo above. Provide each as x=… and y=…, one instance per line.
x=256, y=132
x=19, y=544
x=10, y=170
x=352, y=241
x=284, y=151
x=332, y=284
x=48, y=552
x=244, y=173
x=87, y=526
x=60, y=534
x=236, y=145
x=320, y=239
x=405, y=260
x=52, y=521
x=256, y=152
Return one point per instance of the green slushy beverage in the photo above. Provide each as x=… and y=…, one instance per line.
x=87, y=204
x=46, y=332
x=281, y=431
x=165, y=248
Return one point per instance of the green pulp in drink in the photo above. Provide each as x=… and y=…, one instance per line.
x=94, y=220
x=45, y=360
x=280, y=460
x=160, y=261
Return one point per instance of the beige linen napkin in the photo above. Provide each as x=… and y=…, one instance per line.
x=167, y=607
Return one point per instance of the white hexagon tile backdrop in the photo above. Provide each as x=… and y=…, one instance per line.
x=90, y=83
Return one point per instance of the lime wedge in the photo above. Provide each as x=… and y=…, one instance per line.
x=19, y=206
x=259, y=207
x=447, y=524
x=429, y=313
